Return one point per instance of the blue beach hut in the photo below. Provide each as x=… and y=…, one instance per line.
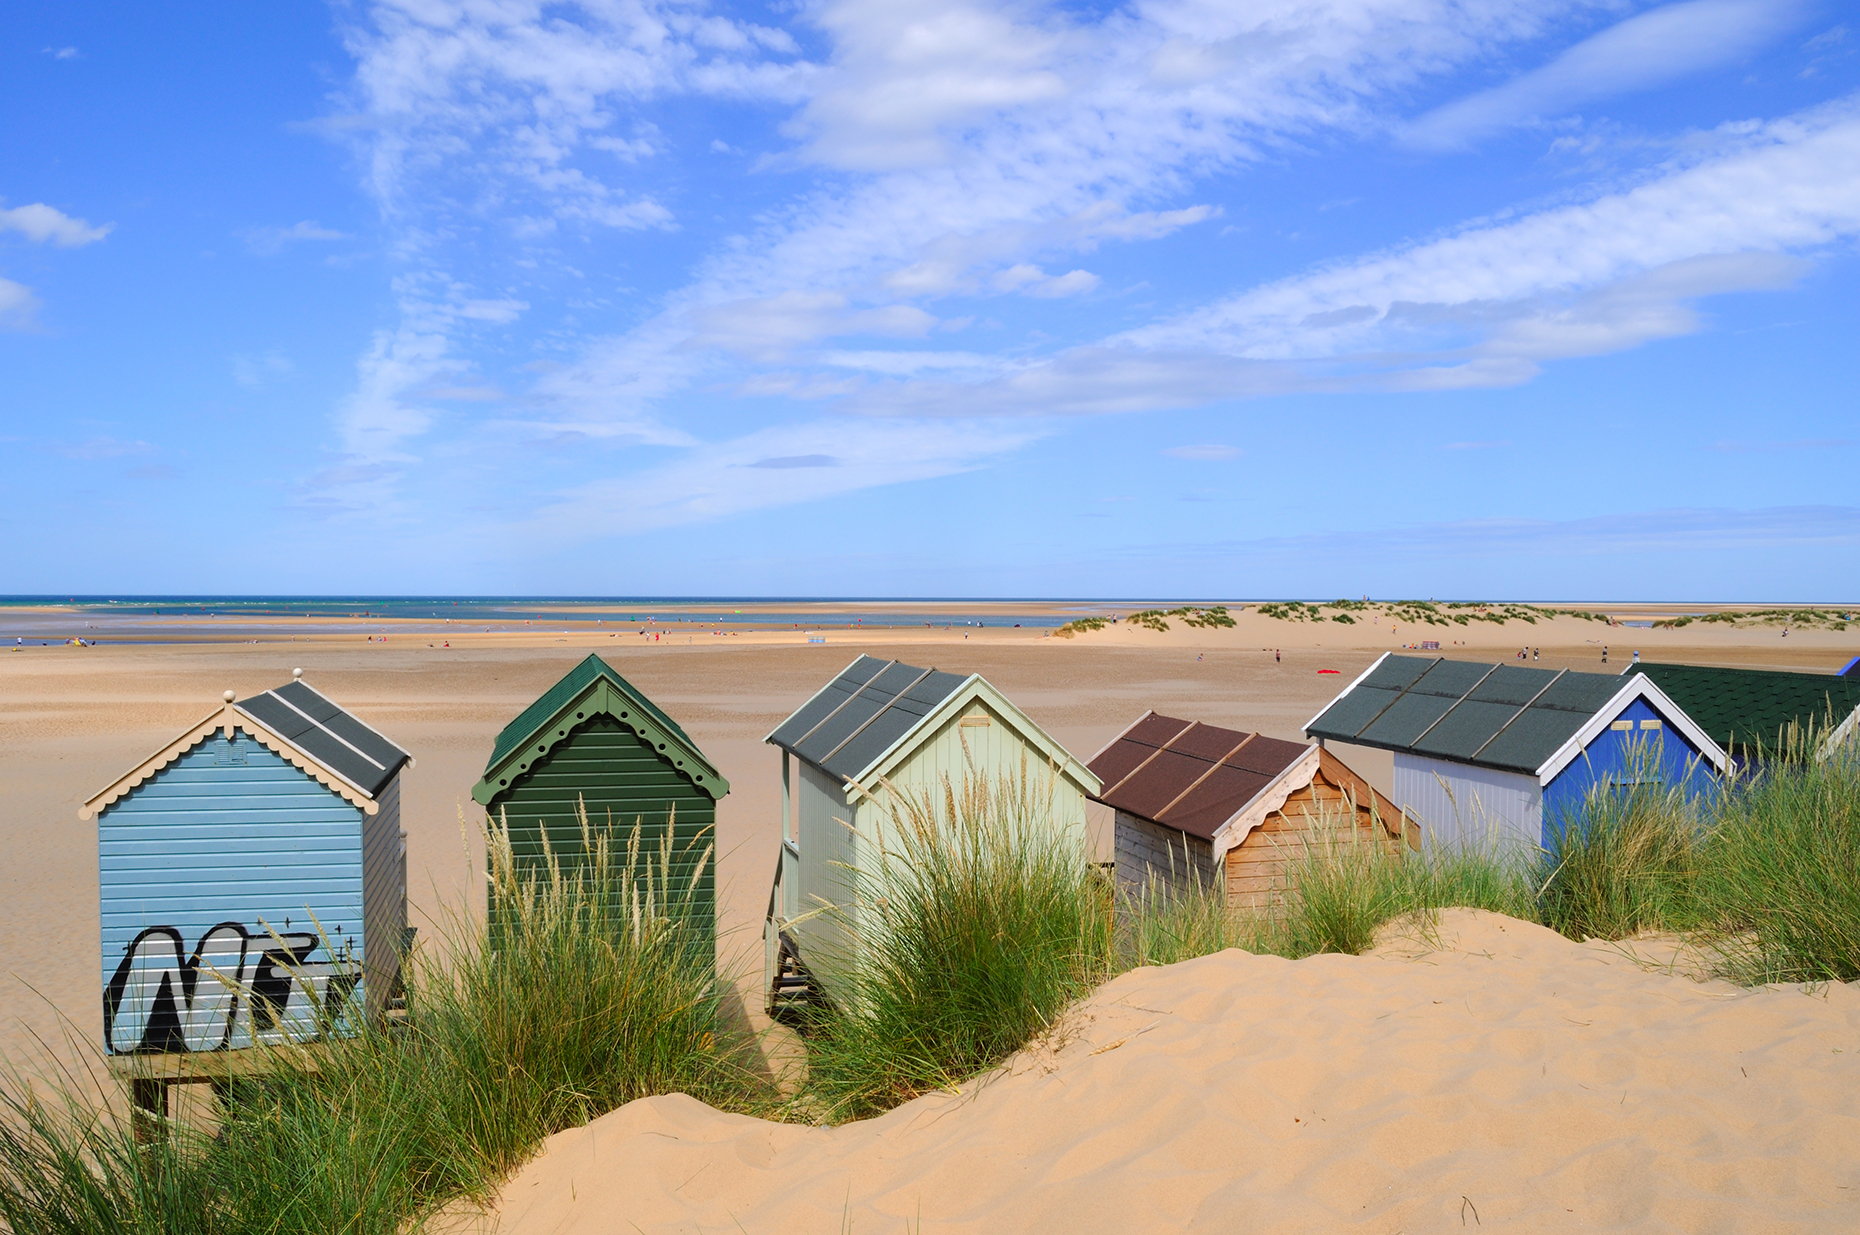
x=1484, y=751
x=253, y=879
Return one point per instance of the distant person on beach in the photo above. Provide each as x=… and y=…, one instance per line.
x=1637, y=656
x=1275, y=656
x=1535, y=652
x=1604, y=653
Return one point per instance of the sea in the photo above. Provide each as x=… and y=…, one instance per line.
x=201, y=619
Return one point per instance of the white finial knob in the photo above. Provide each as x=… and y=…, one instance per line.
x=296, y=673
x=228, y=696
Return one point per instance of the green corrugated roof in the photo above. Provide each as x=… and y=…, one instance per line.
x=1499, y=716
x=543, y=713
x=1751, y=707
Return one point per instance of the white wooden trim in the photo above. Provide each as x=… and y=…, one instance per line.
x=1233, y=833
x=227, y=718
x=1639, y=686
x=974, y=688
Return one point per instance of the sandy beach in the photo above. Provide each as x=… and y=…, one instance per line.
x=1499, y=1073
x=72, y=718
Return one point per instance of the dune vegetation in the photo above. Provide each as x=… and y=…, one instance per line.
x=981, y=924
x=594, y=994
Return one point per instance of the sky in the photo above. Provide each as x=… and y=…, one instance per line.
x=1312, y=298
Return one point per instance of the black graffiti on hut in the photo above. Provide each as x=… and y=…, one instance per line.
x=162, y=999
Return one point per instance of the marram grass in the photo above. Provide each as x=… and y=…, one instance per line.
x=592, y=991
x=972, y=929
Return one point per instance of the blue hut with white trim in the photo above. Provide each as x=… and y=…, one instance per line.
x=1508, y=752
x=253, y=879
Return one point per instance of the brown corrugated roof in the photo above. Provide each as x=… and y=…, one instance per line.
x=1187, y=775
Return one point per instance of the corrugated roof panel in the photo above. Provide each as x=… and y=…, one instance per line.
x=1512, y=684
x=1532, y=738
x=1207, y=742
x=1406, y=719
x=1159, y=782
x=1750, y=708
x=862, y=713
x=1210, y=791
x=874, y=740
x=1471, y=712
x=1215, y=800
x=1580, y=692
x=874, y=697
x=327, y=734
x=1350, y=713
x=1461, y=732
x=1268, y=755
x=843, y=687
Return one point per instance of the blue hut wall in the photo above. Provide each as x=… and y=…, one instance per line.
x=231, y=861
x=1659, y=753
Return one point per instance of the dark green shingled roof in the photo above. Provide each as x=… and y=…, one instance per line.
x=1496, y=716
x=543, y=714
x=1752, y=706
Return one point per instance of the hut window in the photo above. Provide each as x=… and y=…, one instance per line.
x=1622, y=724
x=1649, y=724
x=973, y=721
x=229, y=754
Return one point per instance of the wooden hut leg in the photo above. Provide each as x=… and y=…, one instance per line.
x=151, y=1107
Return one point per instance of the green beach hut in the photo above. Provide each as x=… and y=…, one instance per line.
x=594, y=739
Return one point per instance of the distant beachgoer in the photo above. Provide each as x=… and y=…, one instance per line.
x=1637, y=656
x=1604, y=653
x=1534, y=652
x=1275, y=656
x=1197, y=657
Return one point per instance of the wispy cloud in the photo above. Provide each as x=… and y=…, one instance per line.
x=59, y=53
x=1756, y=448
x=102, y=447
x=1492, y=445
x=40, y=222
x=1647, y=50
x=18, y=306
x=267, y=241
x=1206, y=453
x=1673, y=530
x=256, y=371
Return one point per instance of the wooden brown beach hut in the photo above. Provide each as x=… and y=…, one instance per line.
x=1196, y=804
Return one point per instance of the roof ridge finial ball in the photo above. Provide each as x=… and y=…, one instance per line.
x=228, y=696
x=296, y=673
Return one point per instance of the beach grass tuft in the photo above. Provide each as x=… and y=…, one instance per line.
x=973, y=928
x=1780, y=879
x=595, y=987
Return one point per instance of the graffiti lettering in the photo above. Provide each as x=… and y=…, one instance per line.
x=236, y=990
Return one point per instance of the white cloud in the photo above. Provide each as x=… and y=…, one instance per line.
x=103, y=447
x=500, y=311
x=18, y=305
x=60, y=53
x=1674, y=530
x=1208, y=452
x=1647, y=50
x=266, y=241
x=256, y=371
x=776, y=467
x=40, y=222
x=1569, y=281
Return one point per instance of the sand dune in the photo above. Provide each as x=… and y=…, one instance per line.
x=1503, y=1079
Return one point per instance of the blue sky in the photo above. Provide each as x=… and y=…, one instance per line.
x=1314, y=298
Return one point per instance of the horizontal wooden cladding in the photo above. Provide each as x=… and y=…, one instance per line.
x=203, y=842
x=605, y=768
x=1322, y=817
